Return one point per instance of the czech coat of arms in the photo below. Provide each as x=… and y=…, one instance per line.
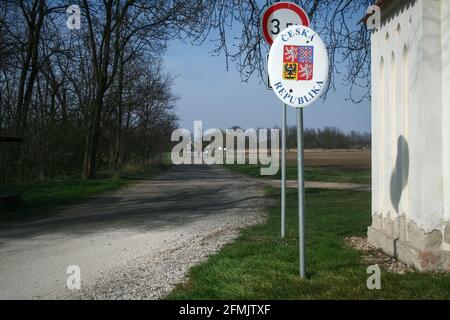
x=298, y=62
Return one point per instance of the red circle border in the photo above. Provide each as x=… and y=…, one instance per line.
x=277, y=6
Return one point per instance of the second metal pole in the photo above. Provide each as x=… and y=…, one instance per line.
x=283, y=172
x=301, y=192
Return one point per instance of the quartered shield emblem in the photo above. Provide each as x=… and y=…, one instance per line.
x=298, y=63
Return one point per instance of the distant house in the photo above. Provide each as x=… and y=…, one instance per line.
x=411, y=132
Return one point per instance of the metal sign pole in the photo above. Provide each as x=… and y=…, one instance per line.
x=301, y=192
x=298, y=89
x=283, y=172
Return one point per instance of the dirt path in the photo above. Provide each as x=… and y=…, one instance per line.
x=321, y=185
x=135, y=243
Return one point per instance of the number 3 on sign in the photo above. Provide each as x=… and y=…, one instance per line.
x=275, y=26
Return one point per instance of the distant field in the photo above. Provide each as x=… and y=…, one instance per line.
x=334, y=158
x=351, y=166
x=342, y=158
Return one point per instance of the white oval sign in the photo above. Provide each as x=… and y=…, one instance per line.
x=298, y=66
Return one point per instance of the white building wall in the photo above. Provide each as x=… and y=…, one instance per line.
x=395, y=101
x=415, y=103
x=409, y=46
x=445, y=29
x=431, y=213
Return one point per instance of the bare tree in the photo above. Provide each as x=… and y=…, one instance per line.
x=74, y=94
x=112, y=26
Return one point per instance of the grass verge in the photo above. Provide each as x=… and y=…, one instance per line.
x=259, y=265
x=41, y=199
x=322, y=174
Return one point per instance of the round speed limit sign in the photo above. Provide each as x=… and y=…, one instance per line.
x=280, y=16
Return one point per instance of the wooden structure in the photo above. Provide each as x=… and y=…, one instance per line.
x=10, y=199
x=10, y=139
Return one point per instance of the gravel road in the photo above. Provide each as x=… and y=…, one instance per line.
x=135, y=243
x=320, y=185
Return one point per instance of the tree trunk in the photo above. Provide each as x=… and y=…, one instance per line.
x=92, y=140
x=101, y=63
x=27, y=79
x=118, y=142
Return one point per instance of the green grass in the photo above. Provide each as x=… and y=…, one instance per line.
x=41, y=199
x=259, y=265
x=323, y=174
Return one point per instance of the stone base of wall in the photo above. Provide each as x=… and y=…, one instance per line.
x=403, y=240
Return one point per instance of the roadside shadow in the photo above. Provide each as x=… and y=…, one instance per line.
x=181, y=196
x=399, y=176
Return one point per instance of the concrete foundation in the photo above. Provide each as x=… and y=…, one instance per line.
x=406, y=242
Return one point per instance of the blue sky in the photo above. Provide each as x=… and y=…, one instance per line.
x=209, y=93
